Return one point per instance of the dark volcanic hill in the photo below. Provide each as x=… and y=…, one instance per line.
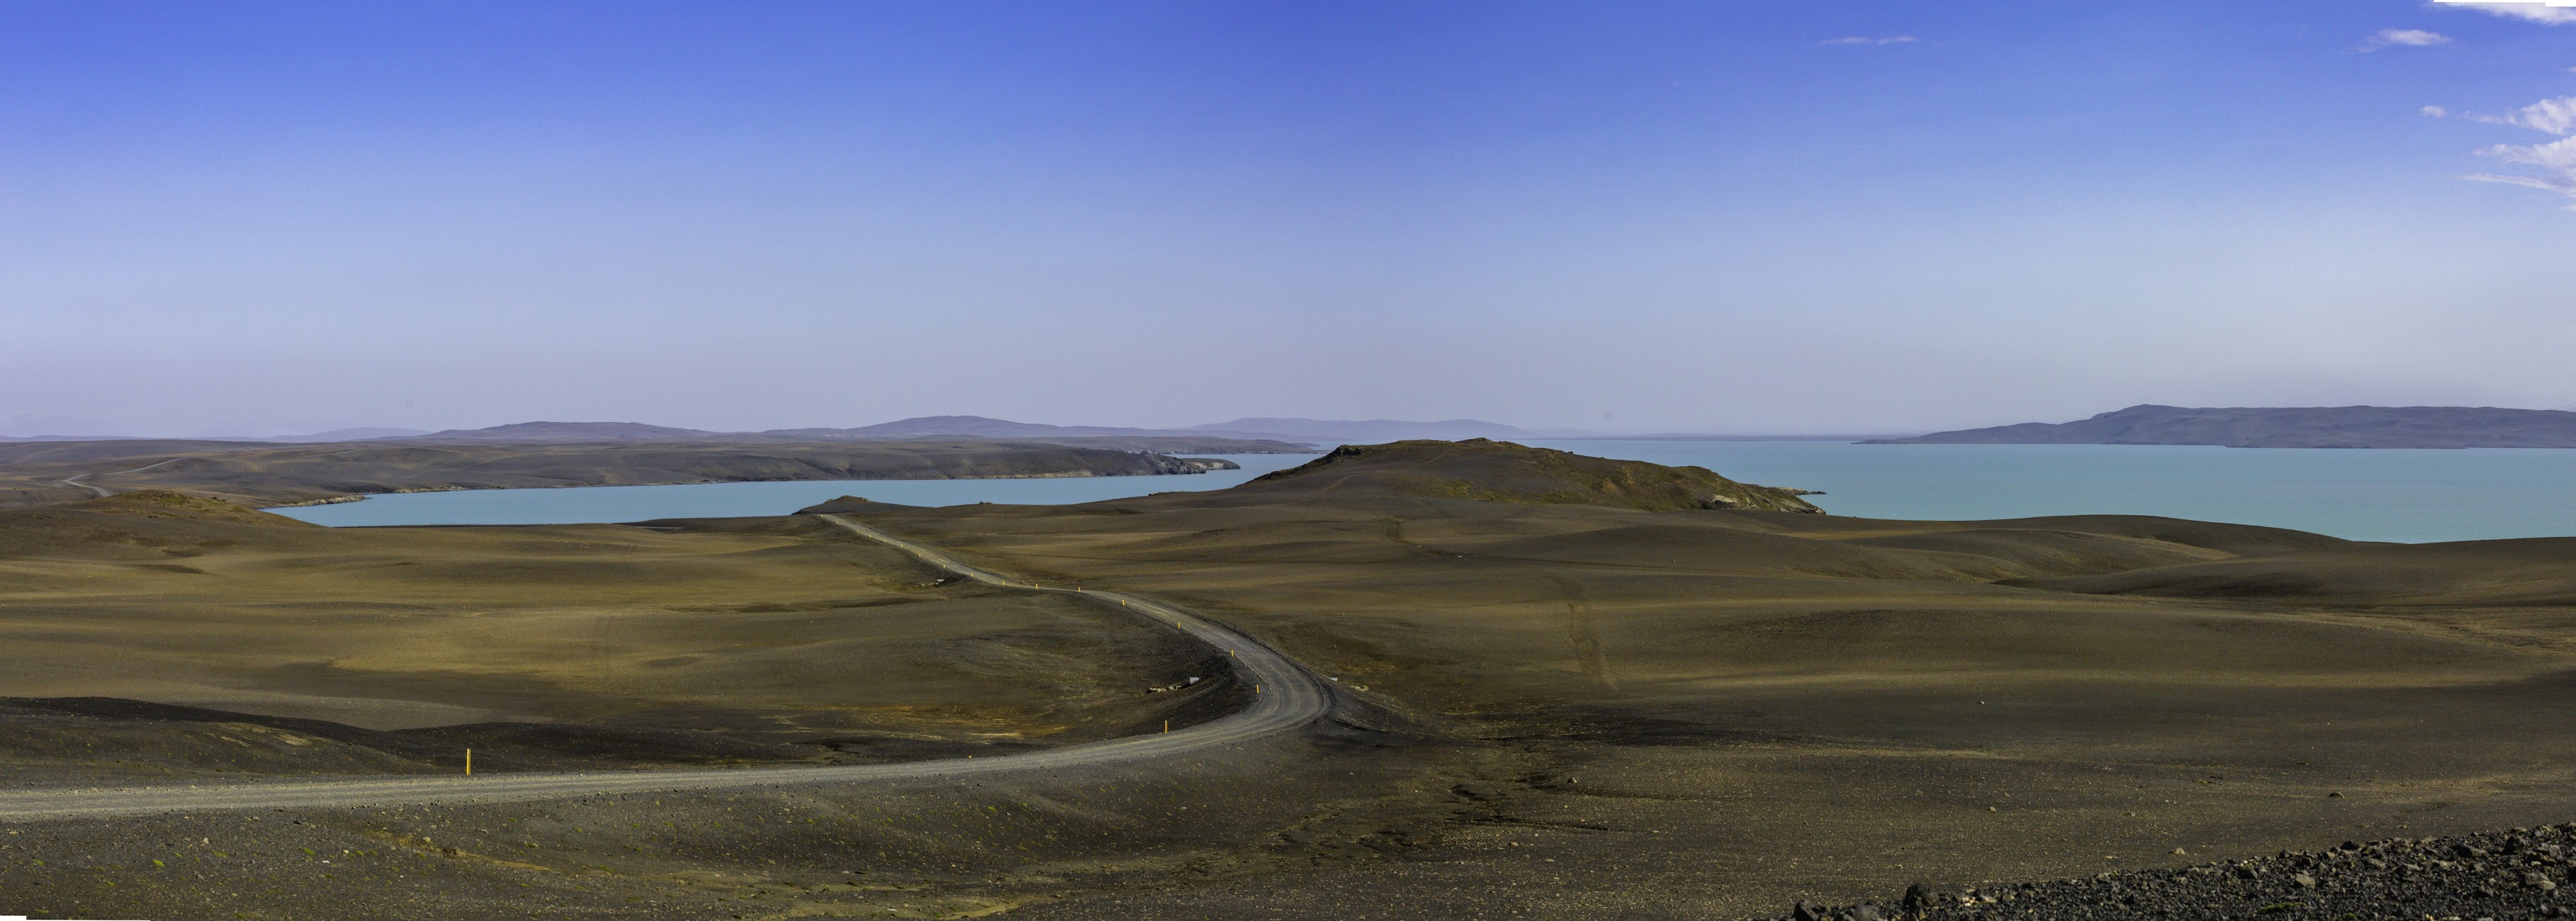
x=2310, y=427
x=1505, y=472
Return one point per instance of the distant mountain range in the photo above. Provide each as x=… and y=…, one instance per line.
x=2307, y=427
x=1300, y=431
x=1381, y=430
x=355, y=434
x=350, y=434
x=975, y=427
x=564, y=431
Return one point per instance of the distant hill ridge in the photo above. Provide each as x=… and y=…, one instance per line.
x=1373, y=430
x=2306, y=427
x=562, y=431
x=1302, y=431
x=269, y=475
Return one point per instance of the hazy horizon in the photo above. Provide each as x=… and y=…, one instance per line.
x=392, y=432
x=1812, y=218
x=1250, y=425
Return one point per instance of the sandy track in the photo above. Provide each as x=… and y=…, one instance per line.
x=1290, y=697
x=103, y=492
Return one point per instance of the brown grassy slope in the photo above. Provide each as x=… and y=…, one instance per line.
x=2499, y=573
x=762, y=630
x=1761, y=706
x=268, y=475
x=1501, y=471
x=13, y=454
x=2518, y=593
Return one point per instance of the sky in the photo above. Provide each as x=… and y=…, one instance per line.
x=1757, y=217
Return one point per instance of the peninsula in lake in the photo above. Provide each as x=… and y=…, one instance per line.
x=259, y=475
x=2287, y=427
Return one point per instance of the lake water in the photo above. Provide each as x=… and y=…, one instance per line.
x=591, y=504
x=2394, y=495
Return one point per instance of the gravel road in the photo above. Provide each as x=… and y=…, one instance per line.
x=1289, y=697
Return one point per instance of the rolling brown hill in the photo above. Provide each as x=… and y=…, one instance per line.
x=774, y=639
x=1501, y=471
x=1565, y=687
x=1664, y=710
x=2502, y=573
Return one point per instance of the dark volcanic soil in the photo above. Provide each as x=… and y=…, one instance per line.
x=1548, y=710
x=2518, y=873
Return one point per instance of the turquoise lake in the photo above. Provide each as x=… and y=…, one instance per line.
x=2394, y=495
x=593, y=504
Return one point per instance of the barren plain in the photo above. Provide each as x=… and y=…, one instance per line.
x=1563, y=688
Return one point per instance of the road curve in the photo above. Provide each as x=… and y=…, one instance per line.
x=102, y=491
x=1289, y=697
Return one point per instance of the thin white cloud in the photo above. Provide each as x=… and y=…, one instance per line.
x=1870, y=40
x=2434, y=112
x=2556, y=116
x=2556, y=160
x=2411, y=38
x=2547, y=12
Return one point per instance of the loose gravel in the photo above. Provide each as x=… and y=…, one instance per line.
x=2494, y=876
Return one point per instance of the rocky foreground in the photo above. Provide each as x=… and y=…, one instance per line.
x=2494, y=876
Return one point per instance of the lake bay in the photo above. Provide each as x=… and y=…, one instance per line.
x=2393, y=495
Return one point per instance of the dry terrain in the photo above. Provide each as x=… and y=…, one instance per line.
x=1568, y=687
x=35, y=474
x=781, y=639
x=1687, y=713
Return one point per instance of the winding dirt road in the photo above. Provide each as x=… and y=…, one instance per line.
x=102, y=491
x=1290, y=697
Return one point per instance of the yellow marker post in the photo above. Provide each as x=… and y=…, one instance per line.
x=469, y=762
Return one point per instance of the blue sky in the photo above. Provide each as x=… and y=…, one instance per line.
x=1738, y=217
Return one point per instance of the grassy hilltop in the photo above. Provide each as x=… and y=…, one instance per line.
x=1504, y=472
